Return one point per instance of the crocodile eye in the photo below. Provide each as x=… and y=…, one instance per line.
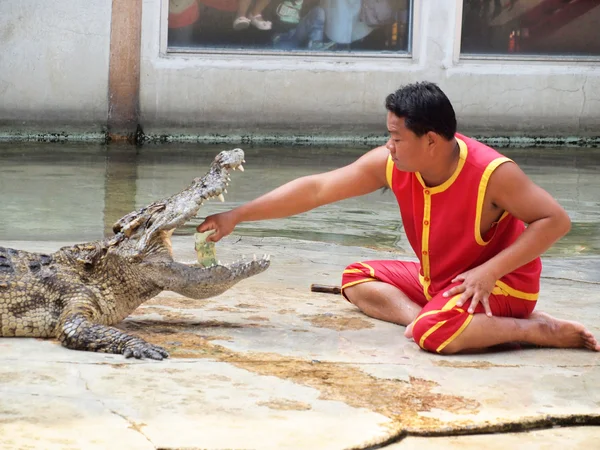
x=35, y=266
x=45, y=259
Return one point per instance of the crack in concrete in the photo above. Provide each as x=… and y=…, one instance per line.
x=85, y=383
x=570, y=279
x=37, y=394
x=187, y=361
x=132, y=424
x=584, y=102
x=525, y=425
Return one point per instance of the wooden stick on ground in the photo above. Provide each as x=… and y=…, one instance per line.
x=325, y=288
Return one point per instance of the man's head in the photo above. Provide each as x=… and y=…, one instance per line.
x=420, y=120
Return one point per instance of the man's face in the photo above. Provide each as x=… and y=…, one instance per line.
x=408, y=151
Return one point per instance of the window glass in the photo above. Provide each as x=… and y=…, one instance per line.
x=531, y=27
x=291, y=25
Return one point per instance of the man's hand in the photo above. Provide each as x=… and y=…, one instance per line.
x=222, y=223
x=478, y=284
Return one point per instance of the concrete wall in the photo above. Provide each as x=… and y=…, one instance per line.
x=250, y=93
x=54, y=64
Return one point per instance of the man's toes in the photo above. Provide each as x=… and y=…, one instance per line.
x=592, y=344
x=589, y=341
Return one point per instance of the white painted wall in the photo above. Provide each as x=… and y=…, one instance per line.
x=207, y=93
x=54, y=60
x=54, y=64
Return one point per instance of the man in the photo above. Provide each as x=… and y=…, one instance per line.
x=463, y=207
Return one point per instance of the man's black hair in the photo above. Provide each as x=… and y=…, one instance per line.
x=424, y=107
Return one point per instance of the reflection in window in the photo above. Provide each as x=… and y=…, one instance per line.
x=545, y=27
x=306, y=25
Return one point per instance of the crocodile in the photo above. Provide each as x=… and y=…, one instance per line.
x=78, y=293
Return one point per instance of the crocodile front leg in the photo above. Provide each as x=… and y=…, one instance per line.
x=78, y=333
x=77, y=329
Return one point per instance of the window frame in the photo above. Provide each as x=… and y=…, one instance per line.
x=409, y=54
x=474, y=57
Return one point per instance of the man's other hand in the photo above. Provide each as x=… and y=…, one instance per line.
x=477, y=284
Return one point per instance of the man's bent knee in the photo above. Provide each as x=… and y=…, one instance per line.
x=360, y=293
x=434, y=331
x=353, y=277
x=352, y=294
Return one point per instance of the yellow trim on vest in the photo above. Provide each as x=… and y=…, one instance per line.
x=485, y=178
x=389, y=170
x=455, y=335
x=507, y=290
x=462, y=157
x=427, y=193
x=352, y=271
x=461, y=162
x=371, y=270
x=432, y=330
x=425, y=247
x=353, y=283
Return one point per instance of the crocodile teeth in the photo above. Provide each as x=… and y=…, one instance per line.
x=241, y=168
x=225, y=191
x=221, y=197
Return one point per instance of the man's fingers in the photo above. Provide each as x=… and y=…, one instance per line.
x=455, y=290
x=474, y=303
x=464, y=297
x=460, y=277
x=204, y=226
x=486, y=305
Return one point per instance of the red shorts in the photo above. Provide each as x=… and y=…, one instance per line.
x=440, y=321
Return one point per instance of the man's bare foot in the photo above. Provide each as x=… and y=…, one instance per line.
x=562, y=333
x=408, y=332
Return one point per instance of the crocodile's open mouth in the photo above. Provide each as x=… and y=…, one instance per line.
x=157, y=221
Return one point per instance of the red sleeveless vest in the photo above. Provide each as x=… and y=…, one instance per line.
x=443, y=223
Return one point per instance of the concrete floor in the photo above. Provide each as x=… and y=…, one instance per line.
x=270, y=365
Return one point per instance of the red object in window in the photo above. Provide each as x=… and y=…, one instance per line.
x=548, y=16
x=186, y=17
x=513, y=42
x=222, y=5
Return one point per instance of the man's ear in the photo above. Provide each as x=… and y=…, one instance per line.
x=432, y=139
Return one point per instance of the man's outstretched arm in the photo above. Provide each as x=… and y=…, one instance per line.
x=363, y=176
